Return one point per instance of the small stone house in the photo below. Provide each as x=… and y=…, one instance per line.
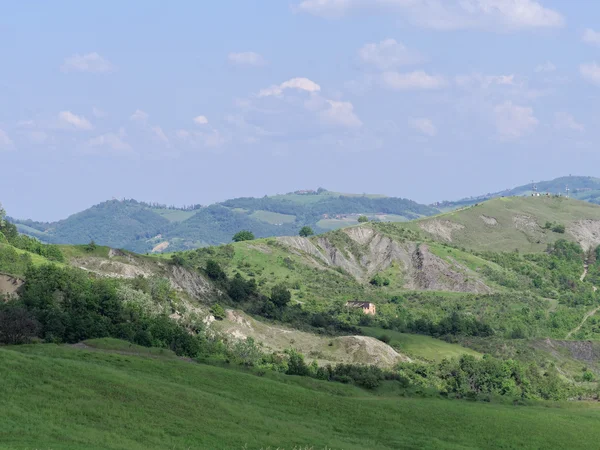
x=367, y=307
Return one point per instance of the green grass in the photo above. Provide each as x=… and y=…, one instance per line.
x=272, y=217
x=424, y=347
x=65, y=398
x=174, y=215
x=505, y=236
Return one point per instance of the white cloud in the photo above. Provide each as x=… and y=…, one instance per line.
x=591, y=37
x=300, y=84
x=484, y=81
x=90, y=62
x=200, y=120
x=446, y=14
x=70, y=120
x=590, y=72
x=341, y=114
x=160, y=135
x=566, y=121
x=388, y=54
x=546, y=67
x=248, y=59
x=412, y=80
x=423, y=125
x=208, y=139
x=513, y=121
x=6, y=142
x=112, y=141
x=139, y=116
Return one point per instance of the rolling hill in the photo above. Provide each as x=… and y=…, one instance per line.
x=144, y=227
x=580, y=187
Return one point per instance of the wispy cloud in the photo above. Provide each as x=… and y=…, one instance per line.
x=246, y=59
x=6, y=142
x=89, y=62
x=200, y=120
x=388, y=54
x=591, y=37
x=423, y=125
x=446, y=14
x=514, y=121
x=418, y=80
x=590, y=72
x=111, y=141
x=73, y=121
x=299, y=84
x=565, y=121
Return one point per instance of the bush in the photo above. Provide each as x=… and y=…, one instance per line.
x=385, y=338
x=244, y=235
x=17, y=325
x=558, y=229
x=306, y=231
x=363, y=219
x=217, y=311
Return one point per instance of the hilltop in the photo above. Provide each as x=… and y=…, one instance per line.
x=528, y=224
x=145, y=227
x=580, y=187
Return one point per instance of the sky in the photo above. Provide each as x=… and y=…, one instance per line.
x=192, y=102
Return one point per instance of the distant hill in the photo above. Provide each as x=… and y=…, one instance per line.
x=581, y=188
x=146, y=227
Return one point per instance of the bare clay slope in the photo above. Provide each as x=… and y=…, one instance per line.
x=364, y=252
x=506, y=224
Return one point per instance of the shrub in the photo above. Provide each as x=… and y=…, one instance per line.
x=17, y=325
x=244, y=235
x=217, y=311
x=306, y=231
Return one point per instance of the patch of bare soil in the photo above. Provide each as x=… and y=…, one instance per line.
x=325, y=350
x=586, y=232
x=159, y=248
x=490, y=221
x=422, y=270
x=441, y=228
x=585, y=351
x=430, y=272
x=525, y=223
x=9, y=285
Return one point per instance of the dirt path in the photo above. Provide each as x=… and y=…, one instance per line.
x=585, y=272
x=585, y=318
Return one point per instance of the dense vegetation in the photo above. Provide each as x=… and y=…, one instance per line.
x=135, y=225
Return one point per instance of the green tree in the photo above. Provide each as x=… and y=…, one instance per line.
x=2, y=215
x=363, y=219
x=280, y=295
x=243, y=235
x=217, y=311
x=91, y=246
x=214, y=271
x=306, y=231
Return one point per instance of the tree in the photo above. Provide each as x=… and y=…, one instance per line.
x=280, y=295
x=217, y=311
x=306, y=231
x=243, y=235
x=17, y=326
x=363, y=219
x=2, y=215
x=214, y=271
x=91, y=246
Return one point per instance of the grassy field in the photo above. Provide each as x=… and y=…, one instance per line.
x=416, y=345
x=174, y=215
x=69, y=398
x=518, y=222
x=272, y=217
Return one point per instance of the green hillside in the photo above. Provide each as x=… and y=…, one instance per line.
x=71, y=398
x=144, y=227
x=581, y=188
x=509, y=223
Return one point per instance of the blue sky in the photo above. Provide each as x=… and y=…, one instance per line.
x=195, y=102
